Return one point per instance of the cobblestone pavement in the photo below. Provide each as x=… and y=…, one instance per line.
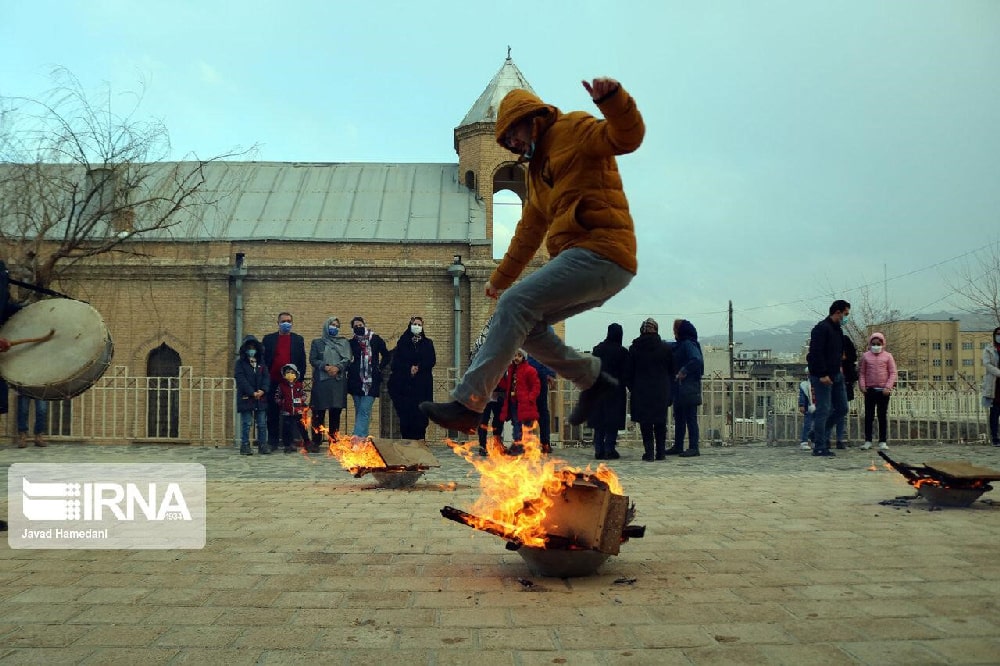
x=752, y=554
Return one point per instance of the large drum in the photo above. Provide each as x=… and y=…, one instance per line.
x=61, y=366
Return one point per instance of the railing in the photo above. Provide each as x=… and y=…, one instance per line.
x=121, y=408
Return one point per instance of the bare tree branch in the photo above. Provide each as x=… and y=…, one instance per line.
x=977, y=282
x=78, y=179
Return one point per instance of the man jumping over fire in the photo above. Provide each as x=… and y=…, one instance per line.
x=576, y=202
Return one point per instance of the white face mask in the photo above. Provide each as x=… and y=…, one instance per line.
x=876, y=349
x=996, y=338
x=416, y=329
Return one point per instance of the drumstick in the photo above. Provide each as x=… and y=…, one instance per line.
x=43, y=338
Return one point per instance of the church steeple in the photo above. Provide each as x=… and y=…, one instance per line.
x=508, y=78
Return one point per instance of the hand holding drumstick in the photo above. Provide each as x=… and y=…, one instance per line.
x=6, y=344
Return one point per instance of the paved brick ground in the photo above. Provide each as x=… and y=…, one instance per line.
x=752, y=555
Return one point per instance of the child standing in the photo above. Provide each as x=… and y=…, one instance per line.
x=521, y=406
x=252, y=384
x=877, y=378
x=291, y=399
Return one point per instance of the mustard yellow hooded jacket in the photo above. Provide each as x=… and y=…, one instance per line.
x=575, y=194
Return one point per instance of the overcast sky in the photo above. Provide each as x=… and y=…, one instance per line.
x=795, y=150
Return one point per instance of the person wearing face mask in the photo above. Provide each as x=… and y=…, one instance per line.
x=576, y=204
x=329, y=356
x=291, y=398
x=825, y=356
x=877, y=379
x=364, y=378
x=253, y=383
x=411, y=381
x=991, y=384
x=280, y=348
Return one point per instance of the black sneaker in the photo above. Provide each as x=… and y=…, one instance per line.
x=825, y=453
x=613, y=455
x=452, y=416
x=690, y=453
x=590, y=398
x=841, y=445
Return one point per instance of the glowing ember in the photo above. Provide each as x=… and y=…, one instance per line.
x=518, y=491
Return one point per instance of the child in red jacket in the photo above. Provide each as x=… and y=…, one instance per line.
x=521, y=385
x=291, y=399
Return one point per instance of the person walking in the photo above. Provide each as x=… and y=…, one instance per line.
x=991, y=384
x=608, y=417
x=652, y=362
x=253, y=383
x=690, y=366
x=826, y=348
x=576, y=204
x=364, y=379
x=411, y=381
x=877, y=379
x=280, y=348
x=329, y=356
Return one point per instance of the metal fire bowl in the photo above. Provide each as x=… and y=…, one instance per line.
x=398, y=479
x=950, y=496
x=557, y=563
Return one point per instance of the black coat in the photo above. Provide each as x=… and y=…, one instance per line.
x=380, y=358
x=826, y=346
x=610, y=413
x=403, y=385
x=250, y=378
x=298, y=351
x=652, y=361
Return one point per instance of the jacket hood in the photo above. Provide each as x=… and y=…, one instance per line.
x=290, y=366
x=879, y=335
x=615, y=334
x=519, y=104
x=252, y=341
x=687, y=331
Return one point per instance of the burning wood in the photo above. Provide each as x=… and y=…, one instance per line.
x=947, y=483
x=539, y=502
x=366, y=456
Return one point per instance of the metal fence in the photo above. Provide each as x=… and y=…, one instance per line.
x=121, y=408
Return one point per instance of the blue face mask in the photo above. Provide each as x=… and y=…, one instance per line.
x=530, y=152
x=332, y=330
x=251, y=353
x=843, y=321
x=285, y=326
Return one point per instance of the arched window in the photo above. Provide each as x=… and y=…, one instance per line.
x=163, y=368
x=470, y=180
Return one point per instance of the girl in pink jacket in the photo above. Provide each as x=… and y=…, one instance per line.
x=877, y=378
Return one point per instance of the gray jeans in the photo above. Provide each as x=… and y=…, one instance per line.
x=573, y=282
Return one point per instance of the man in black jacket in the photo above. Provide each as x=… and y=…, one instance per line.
x=280, y=348
x=826, y=348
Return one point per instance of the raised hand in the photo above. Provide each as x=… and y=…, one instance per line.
x=601, y=87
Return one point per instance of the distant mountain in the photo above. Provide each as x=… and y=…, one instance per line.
x=789, y=338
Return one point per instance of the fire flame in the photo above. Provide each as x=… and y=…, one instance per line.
x=353, y=453
x=517, y=491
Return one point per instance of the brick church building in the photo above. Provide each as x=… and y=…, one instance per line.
x=385, y=241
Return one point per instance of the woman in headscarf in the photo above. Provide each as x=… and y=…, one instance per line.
x=330, y=356
x=608, y=416
x=411, y=381
x=652, y=371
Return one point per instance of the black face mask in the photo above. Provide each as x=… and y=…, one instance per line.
x=359, y=330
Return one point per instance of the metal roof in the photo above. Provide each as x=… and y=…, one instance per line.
x=340, y=202
x=366, y=202
x=485, y=109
